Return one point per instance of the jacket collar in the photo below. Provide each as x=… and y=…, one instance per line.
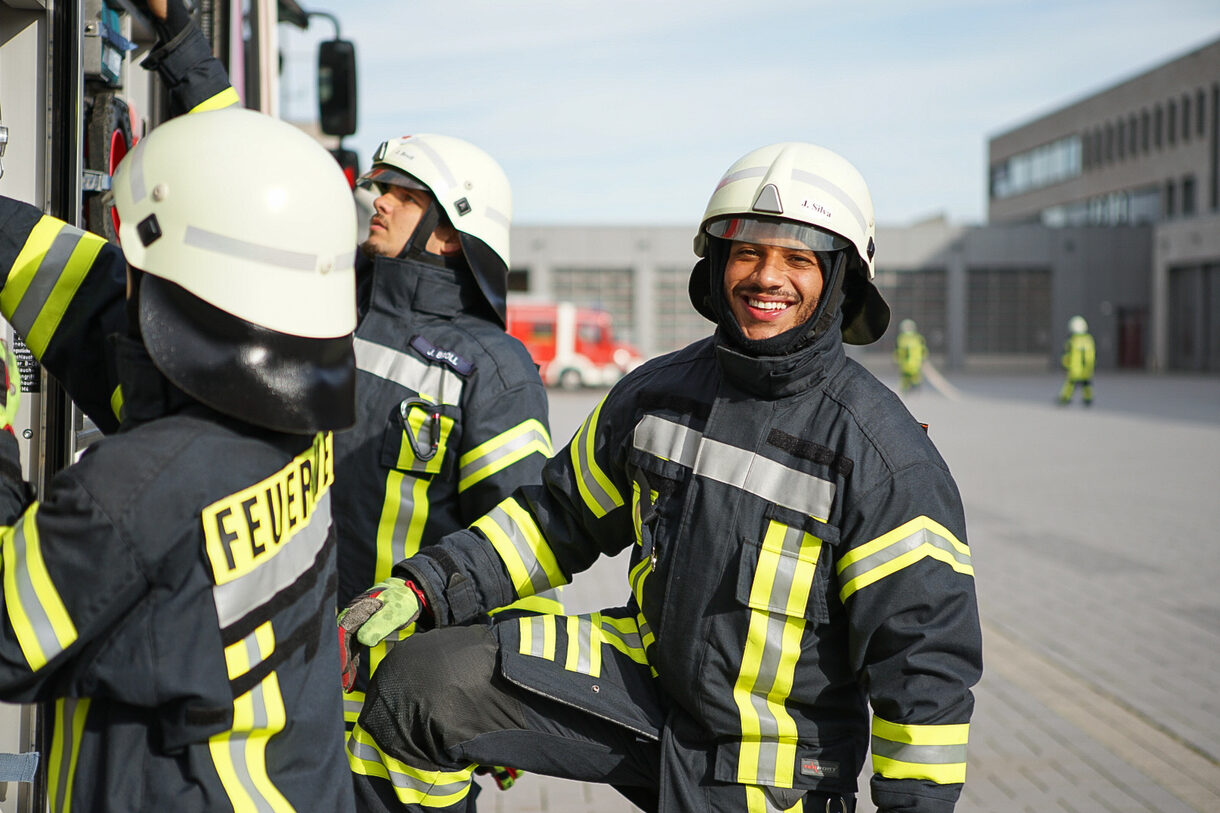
x=395, y=285
x=147, y=393
x=774, y=377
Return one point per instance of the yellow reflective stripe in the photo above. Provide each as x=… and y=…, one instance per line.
x=526, y=438
x=518, y=540
x=407, y=459
x=624, y=635
x=548, y=602
x=240, y=754
x=71, y=253
x=599, y=493
x=116, y=402
x=35, y=610
x=933, y=752
x=353, y=702
x=25, y=267
x=69, y=728
x=584, y=644
x=921, y=538
x=224, y=98
x=400, y=528
x=537, y=633
x=783, y=578
x=411, y=785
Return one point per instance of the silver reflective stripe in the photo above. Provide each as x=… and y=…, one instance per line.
x=532, y=437
x=785, y=569
x=245, y=250
x=919, y=754
x=537, y=629
x=35, y=613
x=741, y=175
x=496, y=216
x=404, y=781
x=238, y=742
x=740, y=468
x=905, y=545
x=139, y=189
x=436, y=383
x=236, y=598
x=352, y=707
x=440, y=165
x=667, y=440
x=604, y=501
x=50, y=268
x=403, y=518
x=842, y=198
x=583, y=641
x=537, y=575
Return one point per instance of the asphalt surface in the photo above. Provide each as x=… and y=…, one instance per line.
x=1096, y=542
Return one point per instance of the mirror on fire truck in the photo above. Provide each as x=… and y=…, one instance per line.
x=337, y=87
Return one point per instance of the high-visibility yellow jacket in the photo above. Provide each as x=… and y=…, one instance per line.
x=798, y=552
x=910, y=352
x=1079, y=357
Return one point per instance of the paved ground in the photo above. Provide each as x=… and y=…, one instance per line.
x=1097, y=556
x=1098, y=563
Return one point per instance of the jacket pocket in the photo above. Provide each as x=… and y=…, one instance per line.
x=788, y=572
x=419, y=437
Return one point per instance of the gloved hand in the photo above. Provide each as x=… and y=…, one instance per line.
x=12, y=392
x=373, y=616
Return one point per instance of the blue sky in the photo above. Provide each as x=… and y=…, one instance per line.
x=627, y=112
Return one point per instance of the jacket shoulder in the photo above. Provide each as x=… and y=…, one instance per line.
x=495, y=356
x=880, y=418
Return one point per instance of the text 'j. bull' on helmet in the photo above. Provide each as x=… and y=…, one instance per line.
x=815, y=196
x=473, y=192
x=244, y=228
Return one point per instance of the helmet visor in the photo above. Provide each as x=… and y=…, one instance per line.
x=772, y=231
x=382, y=175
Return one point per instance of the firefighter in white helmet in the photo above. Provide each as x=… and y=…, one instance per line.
x=1078, y=362
x=451, y=414
x=167, y=598
x=797, y=554
x=910, y=351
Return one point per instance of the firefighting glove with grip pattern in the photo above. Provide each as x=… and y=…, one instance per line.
x=373, y=616
x=11, y=396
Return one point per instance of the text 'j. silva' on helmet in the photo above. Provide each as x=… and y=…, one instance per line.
x=245, y=231
x=824, y=201
x=471, y=189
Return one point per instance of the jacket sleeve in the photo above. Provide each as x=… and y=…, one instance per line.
x=906, y=580
x=67, y=577
x=505, y=443
x=63, y=291
x=539, y=536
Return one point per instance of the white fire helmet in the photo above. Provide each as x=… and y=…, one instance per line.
x=796, y=191
x=473, y=192
x=245, y=231
x=1077, y=324
x=906, y=326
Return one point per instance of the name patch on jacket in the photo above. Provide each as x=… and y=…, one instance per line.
x=425, y=348
x=246, y=529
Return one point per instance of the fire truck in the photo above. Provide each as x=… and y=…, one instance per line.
x=73, y=102
x=573, y=347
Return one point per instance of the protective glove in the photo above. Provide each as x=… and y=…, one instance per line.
x=11, y=395
x=373, y=616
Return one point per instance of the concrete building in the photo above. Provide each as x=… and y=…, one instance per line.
x=1146, y=150
x=1108, y=208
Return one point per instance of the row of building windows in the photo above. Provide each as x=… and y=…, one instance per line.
x=1138, y=134
x=1164, y=125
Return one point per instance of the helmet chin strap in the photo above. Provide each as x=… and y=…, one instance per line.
x=416, y=247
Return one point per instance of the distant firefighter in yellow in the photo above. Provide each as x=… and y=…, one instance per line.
x=909, y=355
x=1079, y=356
